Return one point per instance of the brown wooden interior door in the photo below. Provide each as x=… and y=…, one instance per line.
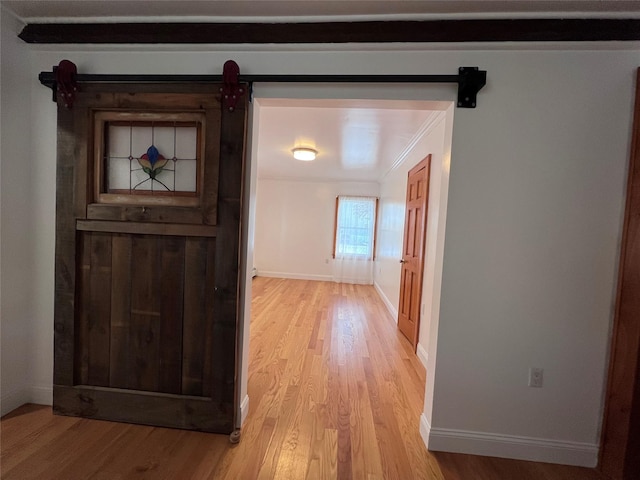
x=146, y=300
x=413, y=247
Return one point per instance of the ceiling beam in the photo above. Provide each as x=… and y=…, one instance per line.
x=523, y=30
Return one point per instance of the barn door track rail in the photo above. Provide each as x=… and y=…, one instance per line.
x=65, y=80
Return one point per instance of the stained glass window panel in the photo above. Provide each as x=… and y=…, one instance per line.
x=152, y=158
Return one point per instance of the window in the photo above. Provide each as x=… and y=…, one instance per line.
x=355, y=227
x=143, y=155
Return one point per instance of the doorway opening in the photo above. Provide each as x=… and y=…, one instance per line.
x=283, y=205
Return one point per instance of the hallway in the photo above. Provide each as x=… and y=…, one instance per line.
x=337, y=383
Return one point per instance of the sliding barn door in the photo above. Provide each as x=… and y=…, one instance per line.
x=147, y=255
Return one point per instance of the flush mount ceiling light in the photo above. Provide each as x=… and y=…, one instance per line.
x=304, y=153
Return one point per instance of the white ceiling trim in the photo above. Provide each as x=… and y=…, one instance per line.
x=427, y=126
x=278, y=11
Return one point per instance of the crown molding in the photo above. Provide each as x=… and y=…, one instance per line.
x=429, y=124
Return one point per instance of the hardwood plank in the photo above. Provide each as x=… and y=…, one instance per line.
x=488, y=30
x=110, y=450
x=329, y=466
x=147, y=228
x=15, y=463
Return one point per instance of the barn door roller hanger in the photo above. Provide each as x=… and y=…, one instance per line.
x=65, y=79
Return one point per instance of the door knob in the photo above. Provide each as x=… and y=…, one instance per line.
x=403, y=261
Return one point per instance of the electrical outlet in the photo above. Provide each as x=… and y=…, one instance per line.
x=535, y=377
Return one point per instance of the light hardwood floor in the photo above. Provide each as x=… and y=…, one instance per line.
x=335, y=392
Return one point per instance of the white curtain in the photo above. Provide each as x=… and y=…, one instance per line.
x=355, y=227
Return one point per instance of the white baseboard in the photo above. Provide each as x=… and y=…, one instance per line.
x=392, y=310
x=296, y=276
x=508, y=446
x=41, y=395
x=422, y=354
x=244, y=410
x=353, y=281
x=12, y=400
x=425, y=428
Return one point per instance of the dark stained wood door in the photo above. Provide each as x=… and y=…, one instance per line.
x=413, y=246
x=146, y=300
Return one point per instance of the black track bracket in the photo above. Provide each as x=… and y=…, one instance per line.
x=470, y=81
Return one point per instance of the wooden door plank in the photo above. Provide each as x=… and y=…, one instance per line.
x=121, y=347
x=211, y=166
x=166, y=229
x=65, y=248
x=165, y=410
x=83, y=151
x=149, y=96
x=210, y=317
x=100, y=309
x=171, y=314
x=194, y=315
x=145, y=313
x=83, y=305
x=227, y=257
x=150, y=213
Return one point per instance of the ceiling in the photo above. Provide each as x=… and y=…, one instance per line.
x=308, y=10
x=356, y=140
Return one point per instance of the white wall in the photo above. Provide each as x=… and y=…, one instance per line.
x=294, y=226
x=533, y=233
x=16, y=273
x=393, y=190
x=533, y=224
